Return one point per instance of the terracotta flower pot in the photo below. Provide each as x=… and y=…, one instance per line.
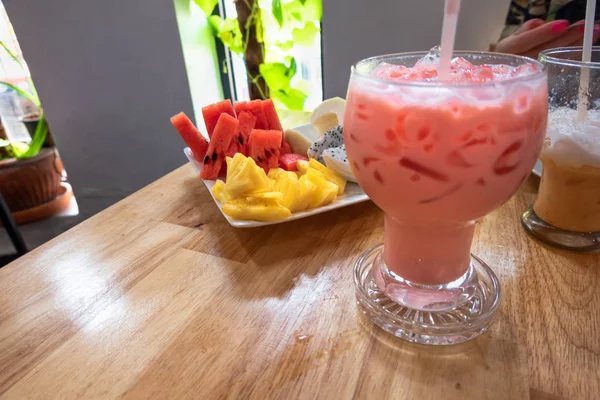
x=32, y=181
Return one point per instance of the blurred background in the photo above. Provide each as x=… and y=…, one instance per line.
x=87, y=88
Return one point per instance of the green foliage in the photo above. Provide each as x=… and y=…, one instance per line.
x=277, y=75
x=278, y=12
x=293, y=99
x=207, y=5
x=285, y=46
x=305, y=36
x=289, y=23
x=228, y=30
x=304, y=10
x=278, y=78
x=39, y=137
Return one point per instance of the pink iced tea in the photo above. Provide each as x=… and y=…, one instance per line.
x=436, y=156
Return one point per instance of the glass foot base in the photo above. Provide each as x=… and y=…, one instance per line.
x=550, y=234
x=461, y=315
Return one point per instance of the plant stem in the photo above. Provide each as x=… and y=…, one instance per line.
x=255, y=79
x=248, y=13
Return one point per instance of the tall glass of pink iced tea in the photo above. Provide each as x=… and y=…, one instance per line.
x=436, y=156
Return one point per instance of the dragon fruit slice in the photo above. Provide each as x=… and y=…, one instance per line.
x=337, y=160
x=332, y=138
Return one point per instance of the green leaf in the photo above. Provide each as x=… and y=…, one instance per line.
x=12, y=55
x=278, y=12
x=214, y=21
x=19, y=149
x=275, y=76
x=313, y=9
x=285, y=46
x=305, y=36
x=207, y=5
x=293, y=68
x=294, y=9
x=293, y=99
x=39, y=137
x=23, y=93
x=228, y=30
x=304, y=10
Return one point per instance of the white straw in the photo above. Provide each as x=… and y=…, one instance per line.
x=448, y=36
x=584, y=78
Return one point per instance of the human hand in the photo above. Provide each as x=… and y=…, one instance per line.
x=536, y=35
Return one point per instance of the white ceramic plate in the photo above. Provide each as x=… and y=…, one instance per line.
x=352, y=195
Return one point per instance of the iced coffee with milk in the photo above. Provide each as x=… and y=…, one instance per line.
x=569, y=193
x=566, y=212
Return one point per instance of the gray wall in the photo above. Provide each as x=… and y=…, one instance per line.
x=109, y=73
x=357, y=29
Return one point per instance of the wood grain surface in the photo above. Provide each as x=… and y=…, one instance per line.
x=158, y=297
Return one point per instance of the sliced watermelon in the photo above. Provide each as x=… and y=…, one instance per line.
x=264, y=146
x=289, y=161
x=219, y=145
x=231, y=151
x=285, y=147
x=271, y=114
x=190, y=135
x=247, y=122
x=255, y=108
x=212, y=113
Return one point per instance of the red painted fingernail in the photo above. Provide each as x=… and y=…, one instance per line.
x=560, y=26
x=581, y=28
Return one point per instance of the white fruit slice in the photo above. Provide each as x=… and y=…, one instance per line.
x=332, y=138
x=336, y=160
x=328, y=114
x=297, y=141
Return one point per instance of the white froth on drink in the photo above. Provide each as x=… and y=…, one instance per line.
x=572, y=142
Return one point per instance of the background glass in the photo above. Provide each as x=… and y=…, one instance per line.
x=566, y=212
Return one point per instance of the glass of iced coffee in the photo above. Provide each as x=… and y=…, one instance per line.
x=566, y=212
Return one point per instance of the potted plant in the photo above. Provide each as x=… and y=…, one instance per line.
x=30, y=174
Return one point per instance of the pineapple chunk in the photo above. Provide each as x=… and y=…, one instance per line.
x=219, y=191
x=246, y=177
x=274, y=197
x=306, y=191
x=275, y=172
x=302, y=166
x=260, y=211
x=287, y=184
x=331, y=175
x=233, y=163
x=325, y=193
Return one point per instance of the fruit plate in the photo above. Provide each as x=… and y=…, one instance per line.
x=352, y=195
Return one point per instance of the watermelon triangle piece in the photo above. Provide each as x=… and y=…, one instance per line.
x=211, y=114
x=271, y=115
x=190, y=135
x=219, y=145
x=285, y=147
x=264, y=147
x=255, y=108
x=247, y=123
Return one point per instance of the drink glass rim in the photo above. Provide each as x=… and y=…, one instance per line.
x=541, y=71
x=547, y=56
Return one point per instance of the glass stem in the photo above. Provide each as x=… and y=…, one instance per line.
x=428, y=253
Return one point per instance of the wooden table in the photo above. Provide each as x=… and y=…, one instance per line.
x=158, y=297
